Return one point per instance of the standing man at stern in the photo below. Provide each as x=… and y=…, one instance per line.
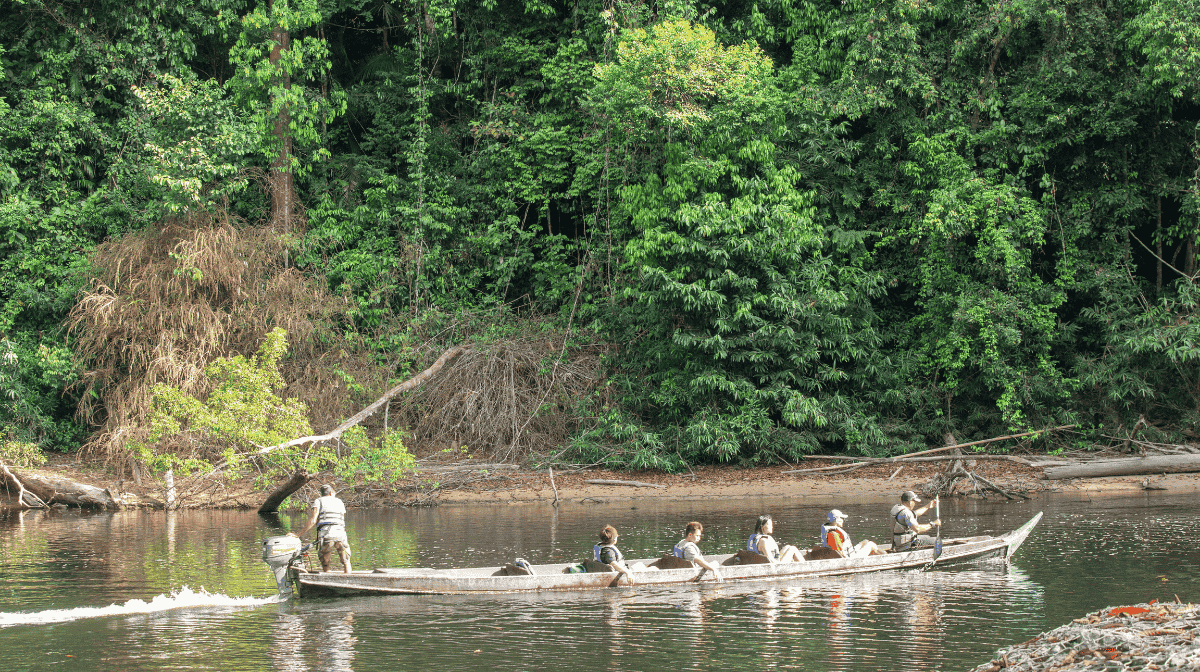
x=906, y=531
x=328, y=514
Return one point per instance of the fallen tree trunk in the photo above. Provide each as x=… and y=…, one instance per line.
x=55, y=489
x=1134, y=466
x=635, y=484
x=367, y=412
x=276, y=497
x=337, y=432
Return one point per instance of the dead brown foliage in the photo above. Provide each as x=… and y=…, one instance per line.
x=503, y=400
x=166, y=302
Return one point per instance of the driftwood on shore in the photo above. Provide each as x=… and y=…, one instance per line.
x=922, y=455
x=54, y=489
x=1133, y=466
x=634, y=484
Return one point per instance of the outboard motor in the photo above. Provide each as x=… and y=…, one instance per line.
x=280, y=553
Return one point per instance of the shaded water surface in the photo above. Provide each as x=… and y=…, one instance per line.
x=147, y=591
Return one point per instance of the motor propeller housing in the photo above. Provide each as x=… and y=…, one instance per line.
x=280, y=553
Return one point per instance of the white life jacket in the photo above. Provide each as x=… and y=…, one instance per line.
x=902, y=536
x=330, y=511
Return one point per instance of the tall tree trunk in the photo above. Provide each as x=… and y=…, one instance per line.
x=281, y=180
x=1158, y=237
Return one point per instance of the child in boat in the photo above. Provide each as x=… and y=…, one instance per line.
x=607, y=552
x=834, y=536
x=688, y=550
x=763, y=543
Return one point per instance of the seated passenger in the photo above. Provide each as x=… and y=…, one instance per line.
x=762, y=543
x=906, y=531
x=607, y=552
x=834, y=536
x=688, y=550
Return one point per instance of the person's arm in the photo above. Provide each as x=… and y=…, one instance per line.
x=709, y=566
x=619, y=565
x=313, y=514
x=925, y=509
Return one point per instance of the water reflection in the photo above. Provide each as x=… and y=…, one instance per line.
x=941, y=619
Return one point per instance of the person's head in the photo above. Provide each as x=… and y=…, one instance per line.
x=608, y=535
x=693, y=528
x=835, y=517
x=764, y=524
x=326, y=490
x=909, y=499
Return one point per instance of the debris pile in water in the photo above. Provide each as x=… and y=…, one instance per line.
x=1142, y=637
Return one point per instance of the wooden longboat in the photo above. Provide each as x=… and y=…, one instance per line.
x=734, y=567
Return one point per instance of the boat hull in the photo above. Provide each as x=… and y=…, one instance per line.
x=485, y=580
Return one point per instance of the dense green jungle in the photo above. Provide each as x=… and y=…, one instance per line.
x=666, y=232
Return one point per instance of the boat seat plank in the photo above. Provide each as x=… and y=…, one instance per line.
x=596, y=566
x=821, y=553
x=747, y=557
x=669, y=561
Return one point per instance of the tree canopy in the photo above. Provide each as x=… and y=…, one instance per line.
x=792, y=226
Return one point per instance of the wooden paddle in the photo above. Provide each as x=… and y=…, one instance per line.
x=937, y=545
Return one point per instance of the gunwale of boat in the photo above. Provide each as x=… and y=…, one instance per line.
x=551, y=577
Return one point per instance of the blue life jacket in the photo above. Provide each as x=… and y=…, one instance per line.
x=752, y=544
x=596, y=552
x=683, y=544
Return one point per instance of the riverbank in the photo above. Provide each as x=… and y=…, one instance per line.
x=462, y=483
x=718, y=482
x=1139, y=637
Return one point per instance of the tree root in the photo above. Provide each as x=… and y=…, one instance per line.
x=947, y=483
x=24, y=496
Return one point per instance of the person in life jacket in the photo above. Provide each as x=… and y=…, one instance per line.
x=834, y=536
x=607, y=552
x=906, y=531
x=688, y=550
x=328, y=514
x=763, y=543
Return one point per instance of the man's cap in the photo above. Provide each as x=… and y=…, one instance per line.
x=834, y=515
x=910, y=496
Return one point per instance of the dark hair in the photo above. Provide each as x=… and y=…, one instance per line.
x=608, y=534
x=326, y=490
x=693, y=526
x=762, y=522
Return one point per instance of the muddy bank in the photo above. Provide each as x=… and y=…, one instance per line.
x=461, y=483
x=1138, y=637
x=867, y=483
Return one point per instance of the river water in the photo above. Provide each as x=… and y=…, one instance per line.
x=143, y=590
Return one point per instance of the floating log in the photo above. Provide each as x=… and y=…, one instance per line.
x=54, y=489
x=1133, y=466
x=635, y=484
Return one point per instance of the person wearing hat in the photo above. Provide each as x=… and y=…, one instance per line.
x=328, y=514
x=906, y=531
x=834, y=536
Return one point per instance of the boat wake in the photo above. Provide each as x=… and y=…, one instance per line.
x=185, y=598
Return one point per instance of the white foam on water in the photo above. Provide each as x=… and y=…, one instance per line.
x=185, y=598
